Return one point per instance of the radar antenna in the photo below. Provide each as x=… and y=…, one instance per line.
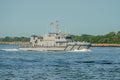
x=56, y=25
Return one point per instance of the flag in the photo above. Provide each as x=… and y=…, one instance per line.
x=51, y=24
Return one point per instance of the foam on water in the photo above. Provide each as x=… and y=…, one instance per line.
x=83, y=50
x=9, y=49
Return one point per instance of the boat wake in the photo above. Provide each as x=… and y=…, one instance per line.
x=83, y=50
x=9, y=49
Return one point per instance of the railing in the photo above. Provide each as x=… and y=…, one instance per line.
x=79, y=43
x=38, y=46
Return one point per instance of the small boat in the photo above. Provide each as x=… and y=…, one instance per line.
x=56, y=41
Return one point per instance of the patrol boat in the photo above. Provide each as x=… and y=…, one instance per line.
x=56, y=41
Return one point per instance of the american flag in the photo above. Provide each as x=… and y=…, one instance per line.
x=51, y=24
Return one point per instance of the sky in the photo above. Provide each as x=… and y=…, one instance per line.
x=29, y=17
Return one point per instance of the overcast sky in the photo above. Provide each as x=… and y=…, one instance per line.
x=28, y=17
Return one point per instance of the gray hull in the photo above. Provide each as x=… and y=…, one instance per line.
x=42, y=49
x=51, y=48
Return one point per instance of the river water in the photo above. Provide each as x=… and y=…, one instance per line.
x=101, y=63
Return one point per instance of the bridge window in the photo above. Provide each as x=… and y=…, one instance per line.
x=68, y=37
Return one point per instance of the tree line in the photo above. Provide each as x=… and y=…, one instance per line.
x=110, y=38
x=14, y=39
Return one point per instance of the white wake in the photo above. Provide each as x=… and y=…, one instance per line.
x=9, y=49
x=82, y=50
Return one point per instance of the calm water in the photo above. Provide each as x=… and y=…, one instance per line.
x=99, y=64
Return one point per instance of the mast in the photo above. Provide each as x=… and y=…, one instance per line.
x=56, y=25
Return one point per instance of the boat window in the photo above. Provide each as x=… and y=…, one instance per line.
x=57, y=37
x=36, y=41
x=68, y=37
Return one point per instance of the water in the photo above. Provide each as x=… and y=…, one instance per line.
x=98, y=64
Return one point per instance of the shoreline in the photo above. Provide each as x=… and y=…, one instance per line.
x=92, y=45
x=19, y=43
x=105, y=45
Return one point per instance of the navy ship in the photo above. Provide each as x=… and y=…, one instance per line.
x=56, y=41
